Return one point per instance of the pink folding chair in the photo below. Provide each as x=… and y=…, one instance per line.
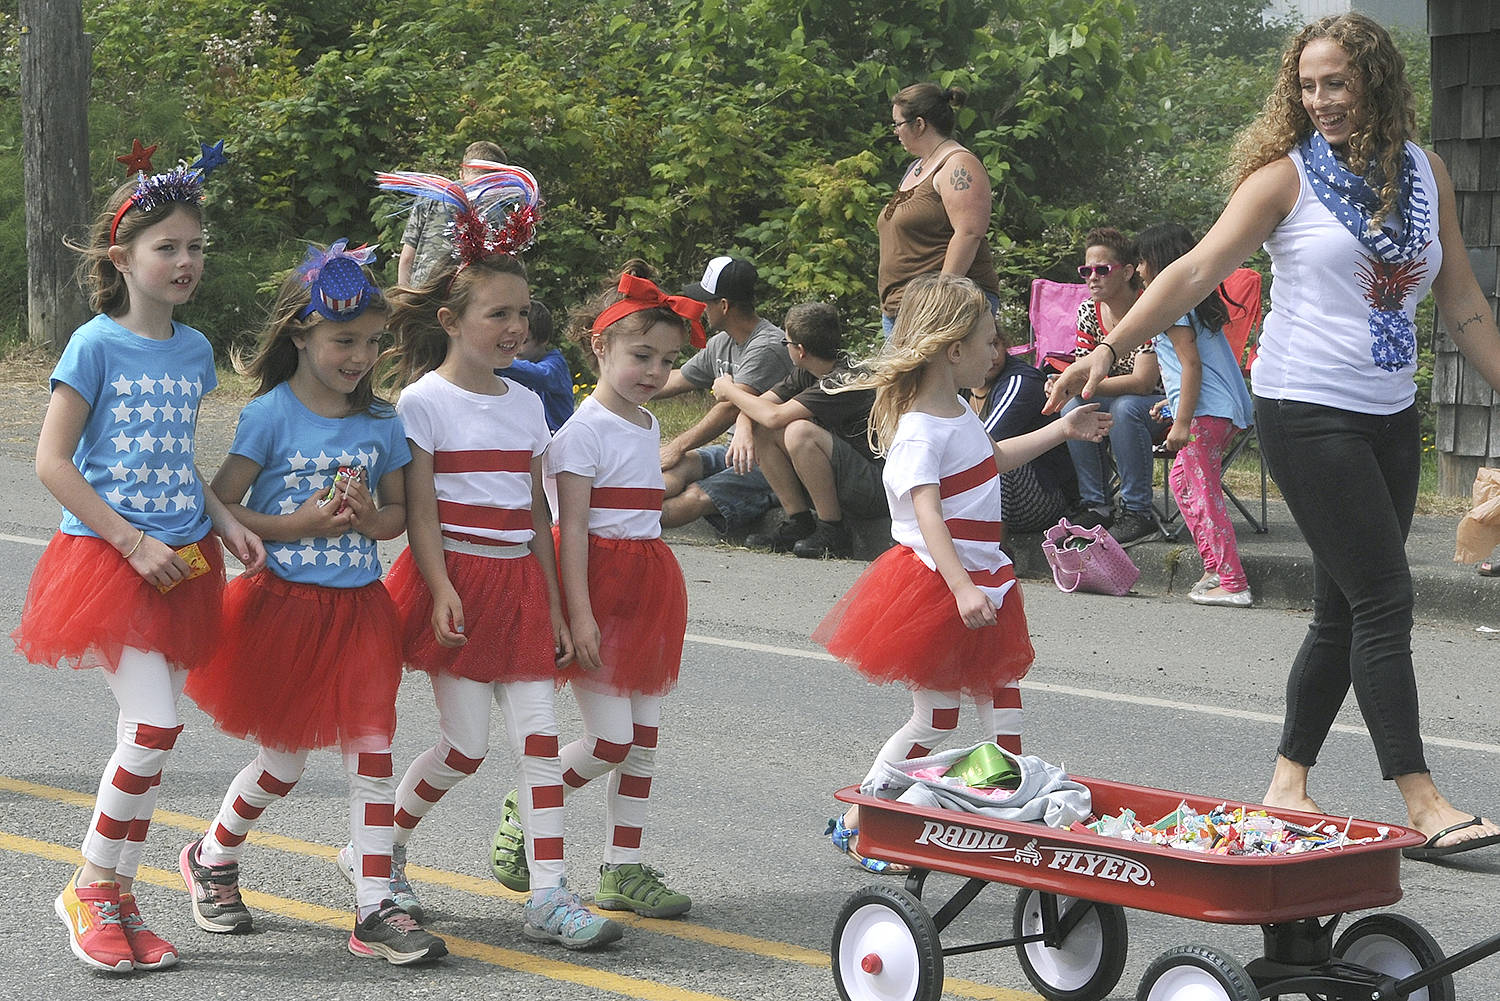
x=1054, y=318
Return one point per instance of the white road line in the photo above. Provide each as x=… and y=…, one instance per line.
x=1117, y=697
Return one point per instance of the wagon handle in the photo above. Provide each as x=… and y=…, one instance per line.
x=1459, y=960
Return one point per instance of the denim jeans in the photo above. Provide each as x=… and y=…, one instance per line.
x=1129, y=443
x=1350, y=481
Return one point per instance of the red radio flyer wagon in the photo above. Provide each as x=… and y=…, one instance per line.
x=1069, y=929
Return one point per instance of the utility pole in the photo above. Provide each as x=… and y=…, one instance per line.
x=55, y=74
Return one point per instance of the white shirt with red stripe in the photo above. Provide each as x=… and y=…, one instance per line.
x=624, y=461
x=957, y=455
x=481, y=448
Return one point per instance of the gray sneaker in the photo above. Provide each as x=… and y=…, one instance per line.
x=214, y=892
x=401, y=891
x=1133, y=526
x=394, y=936
x=561, y=917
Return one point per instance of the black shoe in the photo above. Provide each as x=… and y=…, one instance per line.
x=829, y=540
x=797, y=527
x=1087, y=517
x=1133, y=526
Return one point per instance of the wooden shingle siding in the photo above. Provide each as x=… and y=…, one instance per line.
x=1466, y=133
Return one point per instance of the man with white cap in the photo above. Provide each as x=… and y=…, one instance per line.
x=721, y=482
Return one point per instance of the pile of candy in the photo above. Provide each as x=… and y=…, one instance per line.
x=1225, y=831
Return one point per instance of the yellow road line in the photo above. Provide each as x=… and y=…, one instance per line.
x=686, y=931
x=298, y=910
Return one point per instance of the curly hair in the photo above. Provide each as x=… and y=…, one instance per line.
x=936, y=310
x=1384, y=114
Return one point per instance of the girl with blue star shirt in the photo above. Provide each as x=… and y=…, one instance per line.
x=310, y=654
x=133, y=579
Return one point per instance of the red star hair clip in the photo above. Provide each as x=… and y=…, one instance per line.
x=180, y=184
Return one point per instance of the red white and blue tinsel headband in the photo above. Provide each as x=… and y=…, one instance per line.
x=180, y=184
x=494, y=213
x=340, y=289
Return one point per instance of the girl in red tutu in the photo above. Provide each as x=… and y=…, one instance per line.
x=940, y=612
x=623, y=590
x=133, y=579
x=480, y=607
x=310, y=653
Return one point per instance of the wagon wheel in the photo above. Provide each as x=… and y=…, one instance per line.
x=885, y=948
x=1396, y=946
x=1196, y=973
x=1087, y=963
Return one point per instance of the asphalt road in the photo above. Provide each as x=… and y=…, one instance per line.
x=761, y=731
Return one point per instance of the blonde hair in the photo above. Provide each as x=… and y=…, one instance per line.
x=936, y=310
x=1385, y=113
x=275, y=357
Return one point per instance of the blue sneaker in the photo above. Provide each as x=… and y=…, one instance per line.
x=561, y=917
x=843, y=840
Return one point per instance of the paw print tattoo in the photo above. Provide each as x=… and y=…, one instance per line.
x=962, y=180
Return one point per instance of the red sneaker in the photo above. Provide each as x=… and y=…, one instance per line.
x=95, y=934
x=151, y=951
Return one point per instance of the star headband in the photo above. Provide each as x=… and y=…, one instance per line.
x=642, y=293
x=180, y=184
x=495, y=213
x=339, y=287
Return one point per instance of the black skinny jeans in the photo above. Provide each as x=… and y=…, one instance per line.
x=1350, y=480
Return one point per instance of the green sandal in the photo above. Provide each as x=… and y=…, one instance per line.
x=635, y=887
x=508, y=853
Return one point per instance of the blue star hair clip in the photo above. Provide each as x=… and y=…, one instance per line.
x=180, y=184
x=338, y=285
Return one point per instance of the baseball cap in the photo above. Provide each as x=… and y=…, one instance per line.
x=725, y=278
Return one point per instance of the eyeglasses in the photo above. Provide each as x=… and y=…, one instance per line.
x=787, y=343
x=1084, y=270
x=896, y=126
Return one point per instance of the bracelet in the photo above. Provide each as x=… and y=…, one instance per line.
x=138, y=540
x=1112, y=353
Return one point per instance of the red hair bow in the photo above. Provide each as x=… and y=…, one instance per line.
x=642, y=293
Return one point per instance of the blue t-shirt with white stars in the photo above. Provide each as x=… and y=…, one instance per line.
x=136, y=449
x=298, y=453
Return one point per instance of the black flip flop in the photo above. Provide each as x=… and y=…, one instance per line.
x=1430, y=849
x=1489, y=569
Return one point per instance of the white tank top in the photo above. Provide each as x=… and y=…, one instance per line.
x=1331, y=300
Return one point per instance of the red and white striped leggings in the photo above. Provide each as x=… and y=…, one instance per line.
x=934, y=717
x=620, y=741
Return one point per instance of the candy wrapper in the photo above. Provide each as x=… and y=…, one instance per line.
x=197, y=565
x=1225, y=831
x=339, y=489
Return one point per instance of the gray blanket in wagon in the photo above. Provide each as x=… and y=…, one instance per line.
x=1045, y=793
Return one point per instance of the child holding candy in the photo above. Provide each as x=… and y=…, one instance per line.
x=310, y=655
x=133, y=579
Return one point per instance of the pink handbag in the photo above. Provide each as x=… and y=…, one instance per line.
x=1088, y=559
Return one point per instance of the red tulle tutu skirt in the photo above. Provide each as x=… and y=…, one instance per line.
x=639, y=601
x=85, y=605
x=506, y=620
x=301, y=666
x=899, y=623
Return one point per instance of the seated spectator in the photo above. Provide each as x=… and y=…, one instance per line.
x=813, y=446
x=1132, y=389
x=721, y=483
x=1037, y=493
x=541, y=368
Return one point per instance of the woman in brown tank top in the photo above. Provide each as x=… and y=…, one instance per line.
x=939, y=217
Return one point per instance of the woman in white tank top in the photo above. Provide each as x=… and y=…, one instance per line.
x=1359, y=222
